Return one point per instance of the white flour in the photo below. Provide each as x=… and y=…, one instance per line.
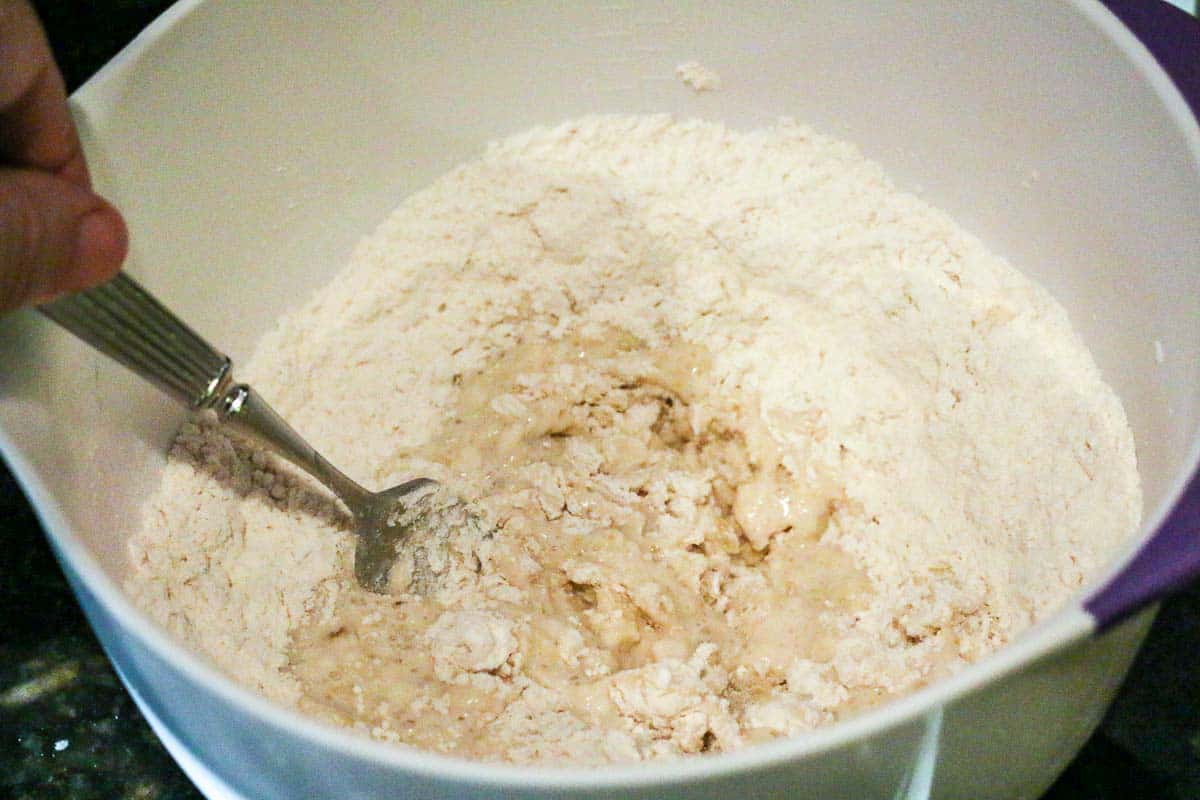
x=766, y=440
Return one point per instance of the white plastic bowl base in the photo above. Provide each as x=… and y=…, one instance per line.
x=252, y=144
x=207, y=783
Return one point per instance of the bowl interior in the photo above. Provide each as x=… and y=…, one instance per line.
x=251, y=145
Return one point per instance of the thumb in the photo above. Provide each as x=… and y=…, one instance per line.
x=55, y=237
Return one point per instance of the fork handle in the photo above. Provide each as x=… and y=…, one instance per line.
x=125, y=322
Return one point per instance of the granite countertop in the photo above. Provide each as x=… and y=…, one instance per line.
x=69, y=730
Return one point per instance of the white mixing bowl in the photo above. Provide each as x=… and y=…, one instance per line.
x=251, y=144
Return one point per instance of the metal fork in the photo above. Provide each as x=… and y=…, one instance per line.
x=126, y=323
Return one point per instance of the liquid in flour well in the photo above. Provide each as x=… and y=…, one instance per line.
x=581, y=432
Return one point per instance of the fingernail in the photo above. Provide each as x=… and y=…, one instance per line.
x=100, y=247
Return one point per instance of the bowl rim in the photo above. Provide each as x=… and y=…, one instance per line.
x=1060, y=630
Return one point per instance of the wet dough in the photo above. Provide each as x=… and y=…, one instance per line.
x=653, y=571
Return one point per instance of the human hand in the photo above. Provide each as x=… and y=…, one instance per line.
x=56, y=235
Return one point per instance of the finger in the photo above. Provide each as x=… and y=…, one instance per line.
x=36, y=129
x=55, y=237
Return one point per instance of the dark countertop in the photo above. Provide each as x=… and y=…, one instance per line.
x=69, y=730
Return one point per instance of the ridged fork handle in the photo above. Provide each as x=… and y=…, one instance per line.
x=124, y=321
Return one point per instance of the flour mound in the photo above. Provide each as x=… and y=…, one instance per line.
x=759, y=440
